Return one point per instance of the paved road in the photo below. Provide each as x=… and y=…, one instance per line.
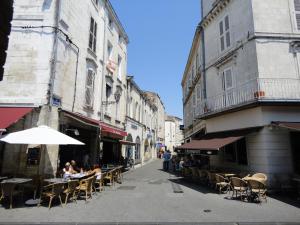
x=147, y=195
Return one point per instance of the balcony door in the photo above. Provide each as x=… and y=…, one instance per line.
x=228, y=96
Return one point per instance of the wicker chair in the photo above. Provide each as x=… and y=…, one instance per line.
x=71, y=190
x=86, y=187
x=239, y=186
x=99, y=183
x=8, y=190
x=222, y=183
x=258, y=190
x=260, y=176
x=109, y=178
x=51, y=191
x=211, y=179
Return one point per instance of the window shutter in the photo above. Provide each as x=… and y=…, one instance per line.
x=297, y=13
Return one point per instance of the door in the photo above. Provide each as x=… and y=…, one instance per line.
x=295, y=144
x=228, y=97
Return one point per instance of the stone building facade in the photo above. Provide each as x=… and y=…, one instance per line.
x=173, y=134
x=65, y=68
x=242, y=79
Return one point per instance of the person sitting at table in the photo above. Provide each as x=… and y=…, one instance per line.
x=97, y=171
x=67, y=170
x=75, y=168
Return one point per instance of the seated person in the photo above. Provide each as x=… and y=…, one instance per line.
x=97, y=171
x=68, y=170
x=75, y=168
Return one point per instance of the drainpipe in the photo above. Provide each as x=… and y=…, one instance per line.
x=54, y=57
x=203, y=54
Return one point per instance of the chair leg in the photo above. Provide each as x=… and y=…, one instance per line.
x=75, y=196
x=66, y=200
x=50, y=202
x=10, y=201
x=61, y=203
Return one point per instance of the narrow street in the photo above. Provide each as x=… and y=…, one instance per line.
x=147, y=195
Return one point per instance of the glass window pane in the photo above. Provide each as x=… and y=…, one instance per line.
x=227, y=39
x=226, y=23
x=221, y=27
x=222, y=43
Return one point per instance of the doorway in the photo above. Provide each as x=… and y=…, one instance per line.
x=295, y=144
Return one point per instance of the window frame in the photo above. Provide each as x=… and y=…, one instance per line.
x=93, y=35
x=224, y=33
x=90, y=89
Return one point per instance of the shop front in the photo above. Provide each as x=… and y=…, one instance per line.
x=110, y=146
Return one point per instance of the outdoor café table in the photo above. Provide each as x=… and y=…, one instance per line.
x=2, y=178
x=228, y=175
x=78, y=176
x=56, y=180
x=17, y=180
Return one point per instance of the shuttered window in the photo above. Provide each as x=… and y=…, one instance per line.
x=89, y=88
x=297, y=13
x=93, y=35
x=224, y=29
x=228, y=79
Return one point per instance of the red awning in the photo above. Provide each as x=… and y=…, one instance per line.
x=8, y=116
x=288, y=125
x=112, y=130
x=210, y=144
x=82, y=118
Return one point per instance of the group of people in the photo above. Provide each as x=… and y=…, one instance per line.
x=72, y=168
x=177, y=163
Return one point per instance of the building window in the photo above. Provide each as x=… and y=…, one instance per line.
x=227, y=79
x=89, y=88
x=120, y=67
x=110, y=23
x=93, y=35
x=109, y=50
x=297, y=13
x=236, y=152
x=224, y=27
x=108, y=91
x=33, y=156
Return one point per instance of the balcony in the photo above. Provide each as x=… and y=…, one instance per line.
x=256, y=90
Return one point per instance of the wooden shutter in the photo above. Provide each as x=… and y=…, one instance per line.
x=297, y=13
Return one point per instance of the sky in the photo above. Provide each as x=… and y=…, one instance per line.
x=160, y=34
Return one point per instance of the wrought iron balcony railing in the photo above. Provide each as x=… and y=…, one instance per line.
x=256, y=90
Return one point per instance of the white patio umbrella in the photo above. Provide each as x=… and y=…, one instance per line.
x=41, y=135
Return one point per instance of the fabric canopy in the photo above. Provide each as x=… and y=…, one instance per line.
x=112, y=130
x=288, y=125
x=40, y=135
x=210, y=144
x=9, y=115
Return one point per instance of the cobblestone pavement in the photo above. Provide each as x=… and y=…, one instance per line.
x=147, y=195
